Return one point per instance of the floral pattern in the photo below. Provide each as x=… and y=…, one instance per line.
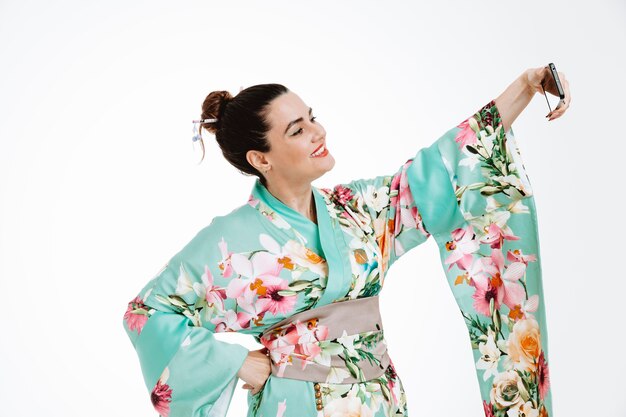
x=252, y=268
x=309, y=343
x=489, y=256
x=381, y=396
x=161, y=395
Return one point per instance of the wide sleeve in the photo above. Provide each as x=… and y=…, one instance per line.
x=469, y=190
x=171, y=325
x=385, y=212
x=475, y=198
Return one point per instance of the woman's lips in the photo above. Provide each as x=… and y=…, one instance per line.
x=320, y=151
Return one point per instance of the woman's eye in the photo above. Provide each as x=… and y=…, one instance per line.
x=297, y=132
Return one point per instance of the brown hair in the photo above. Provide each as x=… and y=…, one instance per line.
x=241, y=123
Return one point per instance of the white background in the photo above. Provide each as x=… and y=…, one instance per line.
x=99, y=184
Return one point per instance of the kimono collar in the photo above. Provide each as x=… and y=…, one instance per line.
x=262, y=193
x=326, y=238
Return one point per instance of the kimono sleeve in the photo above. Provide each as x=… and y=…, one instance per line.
x=384, y=209
x=475, y=198
x=170, y=323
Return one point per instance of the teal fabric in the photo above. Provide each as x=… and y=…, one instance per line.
x=432, y=190
x=155, y=351
x=335, y=248
x=298, y=221
x=264, y=262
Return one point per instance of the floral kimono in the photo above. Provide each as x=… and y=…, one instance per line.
x=268, y=271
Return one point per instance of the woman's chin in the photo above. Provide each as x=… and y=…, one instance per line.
x=328, y=165
x=329, y=162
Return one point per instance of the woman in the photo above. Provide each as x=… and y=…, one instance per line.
x=300, y=268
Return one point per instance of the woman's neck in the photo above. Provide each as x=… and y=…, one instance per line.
x=298, y=197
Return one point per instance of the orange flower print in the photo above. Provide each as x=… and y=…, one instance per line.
x=524, y=344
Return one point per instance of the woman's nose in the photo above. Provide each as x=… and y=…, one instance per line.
x=320, y=132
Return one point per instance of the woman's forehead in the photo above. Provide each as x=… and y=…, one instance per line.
x=288, y=107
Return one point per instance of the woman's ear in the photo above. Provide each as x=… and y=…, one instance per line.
x=258, y=160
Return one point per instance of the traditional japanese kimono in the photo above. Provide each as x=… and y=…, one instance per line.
x=309, y=292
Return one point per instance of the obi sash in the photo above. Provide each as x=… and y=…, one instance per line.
x=340, y=342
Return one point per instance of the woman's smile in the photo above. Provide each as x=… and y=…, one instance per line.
x=321, y=151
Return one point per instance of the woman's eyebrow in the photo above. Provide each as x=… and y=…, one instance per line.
x=299, y=119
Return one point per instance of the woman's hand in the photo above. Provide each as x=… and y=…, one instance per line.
x=537, y=76
x=255, y=370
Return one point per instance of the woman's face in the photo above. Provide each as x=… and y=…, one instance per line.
x=296, y=140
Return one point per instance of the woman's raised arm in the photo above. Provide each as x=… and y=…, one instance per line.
x=518, y=94
x=514, y=99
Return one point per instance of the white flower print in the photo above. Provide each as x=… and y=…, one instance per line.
x=490, y=356
x=377, y=198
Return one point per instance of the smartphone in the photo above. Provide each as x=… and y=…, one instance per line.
x=559, y=87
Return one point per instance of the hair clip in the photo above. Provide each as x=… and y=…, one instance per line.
x=205, y=121
x=196, y=130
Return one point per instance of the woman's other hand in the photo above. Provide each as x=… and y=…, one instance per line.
x=537, y=76
x=255, y=370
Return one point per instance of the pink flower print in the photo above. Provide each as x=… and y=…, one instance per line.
x=224, y=264
x=277, y=303
x=514, y=292
x=282, y=406
x=161, y=397
x=310, y=333
x=517, y=256
x=495, y=235
x=232, y=321
x=486, y=290
x=342, y=194
x=252, y=200
x=493, y=229
x=308, y=352
x=543, y=376
x=395, y=185
x=281, y=347
x=502, y=285
x=525, y=309
x=299, y=340
x=391, y=380
x=320, y=331
x=406, y=212
x=465, y=136
x=214, y=295
x=136, y=314
x=462, y=246
x=488, y=409
x=254, y=306
x=257, y=273
x=479, y=269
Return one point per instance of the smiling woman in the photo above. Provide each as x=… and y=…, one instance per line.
x=300, y=269
x=297, y=154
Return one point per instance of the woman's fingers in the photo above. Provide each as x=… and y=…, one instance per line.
x=547, y=81
x=536, y=77
x=257, y=371
x=563, y=106
x=253, y=390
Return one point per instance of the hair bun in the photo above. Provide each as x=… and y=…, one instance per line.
x=213, y=107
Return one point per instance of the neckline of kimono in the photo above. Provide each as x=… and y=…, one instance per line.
x=284, y=209
x=331, y=239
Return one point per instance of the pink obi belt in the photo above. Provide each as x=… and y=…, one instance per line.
x=339, y=343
